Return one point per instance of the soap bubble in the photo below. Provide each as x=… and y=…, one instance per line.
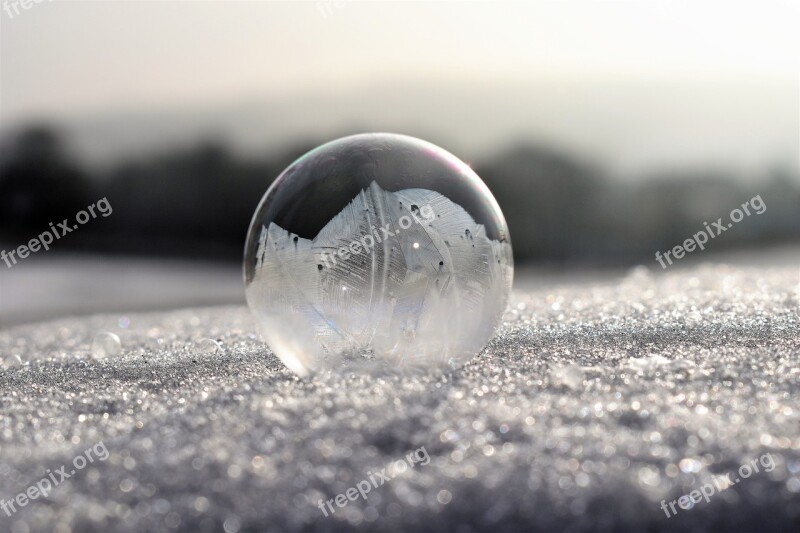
x=377, y=250
x=12, y=361
x=208, y=346
x=106, y=344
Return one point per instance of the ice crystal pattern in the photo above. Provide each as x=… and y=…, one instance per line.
x=428, y=292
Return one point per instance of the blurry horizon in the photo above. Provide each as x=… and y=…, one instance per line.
x=632, y=87
x=607, y=131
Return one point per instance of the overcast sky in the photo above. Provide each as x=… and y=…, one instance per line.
x=67, y=60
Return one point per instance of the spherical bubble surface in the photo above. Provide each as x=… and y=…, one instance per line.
x=377, y=251
x=106, y=344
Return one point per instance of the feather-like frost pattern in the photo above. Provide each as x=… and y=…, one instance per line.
x=400, y=276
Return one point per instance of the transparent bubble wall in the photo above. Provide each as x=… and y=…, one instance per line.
x=377, y=251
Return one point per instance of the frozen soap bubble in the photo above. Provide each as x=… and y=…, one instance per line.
x=12, y=361
x=377, y=250
x=208, y=346
x=106, y=344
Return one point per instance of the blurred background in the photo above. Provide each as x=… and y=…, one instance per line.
x=607, y=130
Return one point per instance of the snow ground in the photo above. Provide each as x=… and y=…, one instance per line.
x=595, y=401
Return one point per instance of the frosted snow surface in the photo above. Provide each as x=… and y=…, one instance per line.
x=596, y=400
x=402, y=278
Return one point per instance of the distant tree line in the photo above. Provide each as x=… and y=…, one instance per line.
x=199, y=202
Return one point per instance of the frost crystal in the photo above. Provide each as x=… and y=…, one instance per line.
x=406, y=278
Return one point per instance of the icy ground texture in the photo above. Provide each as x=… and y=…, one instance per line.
x=594, y=402
x=419, y=285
